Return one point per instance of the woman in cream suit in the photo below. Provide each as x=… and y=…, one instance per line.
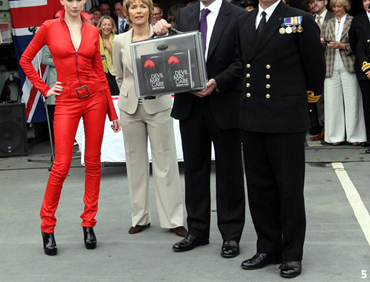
x=143, y=118
x=344, y=115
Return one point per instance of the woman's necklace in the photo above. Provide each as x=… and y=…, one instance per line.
x=70, y=28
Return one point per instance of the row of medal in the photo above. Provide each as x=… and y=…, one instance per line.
x=291, y=25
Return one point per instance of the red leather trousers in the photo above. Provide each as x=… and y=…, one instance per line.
x=68, y=111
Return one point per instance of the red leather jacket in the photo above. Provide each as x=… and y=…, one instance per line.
x=74, y=68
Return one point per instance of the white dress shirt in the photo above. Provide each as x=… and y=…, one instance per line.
x=120, y=20
x=323, y=15
x=211, y=20
x=339, y=28
x=268, y=12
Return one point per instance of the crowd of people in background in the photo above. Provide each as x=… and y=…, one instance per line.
x=118, y=13
x=343, y=108
x=343, y=114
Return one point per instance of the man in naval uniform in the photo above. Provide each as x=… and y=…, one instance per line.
x=282, y=58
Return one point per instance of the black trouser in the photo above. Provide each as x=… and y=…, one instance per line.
x=198, y=132
x=275, y=168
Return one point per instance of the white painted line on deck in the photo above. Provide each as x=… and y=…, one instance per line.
x=354, y=199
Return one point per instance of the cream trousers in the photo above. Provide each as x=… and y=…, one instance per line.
x=344, y=113
x=158, y=127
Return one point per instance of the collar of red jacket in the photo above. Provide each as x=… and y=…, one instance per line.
x=84, y=15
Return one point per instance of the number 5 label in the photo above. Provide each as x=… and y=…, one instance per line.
x=363, y=274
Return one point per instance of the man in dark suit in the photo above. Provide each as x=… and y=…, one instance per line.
x=282, y=58
x=321, y=15
x=359, y=37
x=117, y=8
x=105, y=8
x=211, y=116
x=120, y=20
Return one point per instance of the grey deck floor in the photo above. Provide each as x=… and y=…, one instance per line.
x=337, y=244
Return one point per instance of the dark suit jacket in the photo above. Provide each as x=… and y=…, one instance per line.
x=278, y=70
x=359, y=38
x=222, y=64
x=116, y=22
x=329, y=15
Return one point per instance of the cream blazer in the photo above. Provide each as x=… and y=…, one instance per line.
x=122, y=62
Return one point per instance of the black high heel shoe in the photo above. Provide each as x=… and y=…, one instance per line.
x=50, y=246
x=89, y=237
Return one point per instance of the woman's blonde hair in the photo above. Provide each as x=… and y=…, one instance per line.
x=345, y=3
x=149, y=3
x=105, y=17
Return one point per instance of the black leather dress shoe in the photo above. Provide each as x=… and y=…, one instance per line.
x=50, y=246
x=367, y=151
x=89, y=237
x=260, y=260
x=290, y=269
x=230, y=249
x=189, y=243
x=365, y=144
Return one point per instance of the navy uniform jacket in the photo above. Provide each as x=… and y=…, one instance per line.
x=278, y=70
x=359, y=38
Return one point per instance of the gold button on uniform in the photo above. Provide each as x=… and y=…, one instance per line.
x=268, y=67
x=268, y=76
x=248, y=66
x=268, y=86
x=248, y=95
x=248, y=85
x=268, y=96
x=368, y=40
x=248, y=75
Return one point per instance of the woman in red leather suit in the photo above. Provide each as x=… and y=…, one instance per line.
x=81, y=91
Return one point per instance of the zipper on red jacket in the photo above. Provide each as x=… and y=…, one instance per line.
x=78, y=73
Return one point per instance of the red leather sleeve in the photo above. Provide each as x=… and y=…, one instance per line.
x=26, y=60
x=98, y=67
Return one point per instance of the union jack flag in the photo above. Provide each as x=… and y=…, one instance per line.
x=24, y=14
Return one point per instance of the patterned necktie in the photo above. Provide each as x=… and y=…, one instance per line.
x=203, y=27
x=122, y=26
x=262, y=23
x=319, y=21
